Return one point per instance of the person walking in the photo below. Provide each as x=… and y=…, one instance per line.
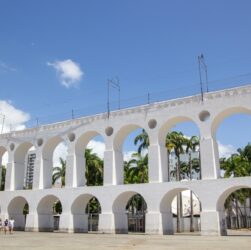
x=6, y=225
x=11, y=225
x=1, y=224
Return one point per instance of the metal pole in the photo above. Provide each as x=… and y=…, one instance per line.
x=206, y=77
x=201, y=89
x=108, y=98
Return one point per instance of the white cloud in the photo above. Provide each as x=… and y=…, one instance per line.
x=128, y=155
x=97, y=147
x=60, y=151
x=14, y=119
x=5, y=67
x=69, y=72
x=226, y=150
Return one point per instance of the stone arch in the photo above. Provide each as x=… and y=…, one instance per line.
x=223, y=196
x=226, y=113
x=46, y=214
x=80, y=146
x=123, y=132
x=78, y=210
x=47, y=156
x=166, y=208
x=225, y=221
x=170, y=123
x=165, y=128
x=118, y=141
x=16, y=211
x=119, y=210
x=19, y=164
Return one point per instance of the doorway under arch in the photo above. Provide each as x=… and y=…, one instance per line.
x=49, y=210
x=18, y=209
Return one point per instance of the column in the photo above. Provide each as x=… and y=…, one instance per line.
x=75, y=168
x=209, y=158
x=213, y=223
x=159, y=223
x=32, y=222
x=113, y=167
x=157, y=158
x=9, y=178
x=38, y=171
x=106, y=222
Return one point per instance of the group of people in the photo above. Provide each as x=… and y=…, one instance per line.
x=7, y=225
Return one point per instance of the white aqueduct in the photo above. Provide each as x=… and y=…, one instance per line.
x=157, y=119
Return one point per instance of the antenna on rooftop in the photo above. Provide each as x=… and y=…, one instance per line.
x=202, y=66
x=112, y=83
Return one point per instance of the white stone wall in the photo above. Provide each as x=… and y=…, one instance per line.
x=157, y=119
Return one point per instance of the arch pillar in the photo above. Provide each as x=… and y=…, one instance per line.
x=75, y=168
x=38, y=171
x=32, y=222
x=9, y=178
x=213, y=223
x=159, y=223
x=106, y=222
x=157, y=158
x=209, y=154
x=113, y=164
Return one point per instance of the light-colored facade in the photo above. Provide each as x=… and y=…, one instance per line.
x=31, y=158
x=157, y=119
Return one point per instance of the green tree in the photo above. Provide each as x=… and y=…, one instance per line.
x=234, y=166
x=143, y=141
x=59, y=172
x=237, y=165
x=94, y=169
x=177, y=143
x=136, y=169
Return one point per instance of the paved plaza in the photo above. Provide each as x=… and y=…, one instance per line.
x=64, y=241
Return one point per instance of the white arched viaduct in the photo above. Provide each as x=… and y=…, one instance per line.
x=156, y=119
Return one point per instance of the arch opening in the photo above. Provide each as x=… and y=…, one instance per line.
x=129, y=213
x=89, y=150
x=49, y=210
x=234, y=146
x=24, y=162
x=18, y=209
x=182, y=142
x=131, y=145
x=234, y=206
x=54, y=163
x=180, y=209
x=85, y=210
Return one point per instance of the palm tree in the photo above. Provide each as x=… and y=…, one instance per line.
x=136, y=169
x=59, y=172
x=94, y=169
x=177, y=141
x=191, y=145
x=143, y=139
x=235, y=166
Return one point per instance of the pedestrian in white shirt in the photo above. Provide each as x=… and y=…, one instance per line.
x=11, y=225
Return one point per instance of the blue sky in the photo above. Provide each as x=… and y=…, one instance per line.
x=151, y=45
